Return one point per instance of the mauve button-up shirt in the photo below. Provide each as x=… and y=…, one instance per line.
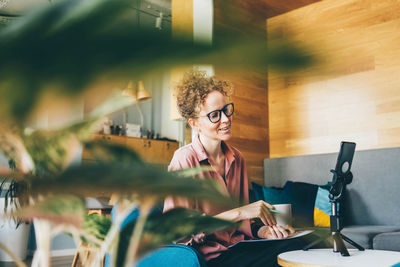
x=235, y=183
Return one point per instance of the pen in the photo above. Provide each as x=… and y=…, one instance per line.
x=275, y=211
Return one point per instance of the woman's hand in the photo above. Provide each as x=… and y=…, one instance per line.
x=259, y=209
x=275, y=232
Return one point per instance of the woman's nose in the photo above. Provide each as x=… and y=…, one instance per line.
x=224, y=118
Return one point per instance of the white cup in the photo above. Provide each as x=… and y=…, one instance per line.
x=284, y=217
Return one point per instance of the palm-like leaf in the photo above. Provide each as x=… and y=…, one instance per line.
x=53, y=149
x=59, y=209
x=192, y=171
x=68, y=47
x=97, y=226
x=137, y=177
x=72, y=44
x=108, y=152
x=177, y=224
x=162, y=229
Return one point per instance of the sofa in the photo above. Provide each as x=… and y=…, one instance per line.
x=370, y=207
x=370, y=215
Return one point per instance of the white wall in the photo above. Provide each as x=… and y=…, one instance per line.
x=172, y=129
x=203, y=19
x=156, y=111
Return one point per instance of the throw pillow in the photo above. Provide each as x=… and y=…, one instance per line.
x=322, y=207
x=302, y=197
x=272, y=195
x=257, y=192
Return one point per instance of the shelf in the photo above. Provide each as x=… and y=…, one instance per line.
x=154, y=151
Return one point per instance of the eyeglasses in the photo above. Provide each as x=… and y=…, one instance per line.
x=215, y=115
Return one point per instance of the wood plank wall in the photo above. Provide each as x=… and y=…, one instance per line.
x=250, y=122
x=353, y=94
x=182, y=19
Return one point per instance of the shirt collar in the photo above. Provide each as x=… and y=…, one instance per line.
x=199, y=149
x=202, y=155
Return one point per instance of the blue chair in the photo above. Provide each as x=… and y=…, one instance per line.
x=170, y=255
x=173, y=255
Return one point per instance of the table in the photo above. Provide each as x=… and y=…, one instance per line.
x=326, y=257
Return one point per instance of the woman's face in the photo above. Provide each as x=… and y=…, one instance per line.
x=220, y=130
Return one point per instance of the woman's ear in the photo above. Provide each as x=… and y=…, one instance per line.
x=193, y=123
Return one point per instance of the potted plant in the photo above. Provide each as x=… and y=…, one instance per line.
x=15, y=227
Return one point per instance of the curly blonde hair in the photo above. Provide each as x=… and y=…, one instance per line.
x=194, y=88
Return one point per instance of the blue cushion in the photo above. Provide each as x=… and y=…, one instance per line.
x=272, y=195
x=257, y=192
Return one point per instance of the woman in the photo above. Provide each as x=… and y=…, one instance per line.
x=203, y=101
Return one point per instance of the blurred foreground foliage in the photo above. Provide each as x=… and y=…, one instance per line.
x=61, y=51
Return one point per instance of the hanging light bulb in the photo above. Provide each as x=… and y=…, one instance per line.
x=159, y=21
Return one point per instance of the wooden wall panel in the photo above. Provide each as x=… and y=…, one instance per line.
x=353, y=93
x=182, y=19
x=250, y=121
x=182, y=28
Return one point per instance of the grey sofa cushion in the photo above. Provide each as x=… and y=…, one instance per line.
x=372, y=195
x=387, y=241
x=364, y=235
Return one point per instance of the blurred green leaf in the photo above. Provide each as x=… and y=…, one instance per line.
x=191, y=171
x=105, y=152
x=137, y=177
x=162, y=229
x=177, y=224
x=52, y=150
x=66, y=48
x=97, y=226
x=59, y=209
x=286, y=56
x=70, y=45
x=116, y=102
x=12, y=145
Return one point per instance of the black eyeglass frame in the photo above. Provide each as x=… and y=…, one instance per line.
x=220, y=111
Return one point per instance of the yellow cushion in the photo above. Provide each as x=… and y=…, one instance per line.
x=321, y=219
